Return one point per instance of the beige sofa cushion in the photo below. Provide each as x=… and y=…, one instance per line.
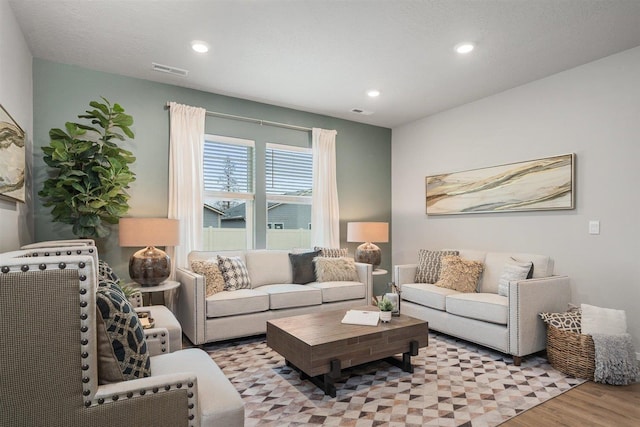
x=290, y=295
x=212, y=255
x=219, y=402
x=487, y=307
x=426, y=294
x=339, y=291
x=268, y=267
x=494, y=265
x=241, y=301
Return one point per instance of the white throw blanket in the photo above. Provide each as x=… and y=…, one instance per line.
x=615, y=359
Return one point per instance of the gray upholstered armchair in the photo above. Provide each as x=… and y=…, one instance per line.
x=49, y=360
x=164, y=338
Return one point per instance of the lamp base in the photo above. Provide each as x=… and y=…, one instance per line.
x=149, y=266
x=369, y=254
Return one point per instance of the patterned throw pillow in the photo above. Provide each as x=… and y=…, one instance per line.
x=459, y=274
x=569, y=321
x=110, y=285
x=429, y=265
x=513, y=270
x=329, y=269
x=122, y=348
x=106, y=272
x=235, y=273
x=212, y=275
x=302, y=268
x=331, y=253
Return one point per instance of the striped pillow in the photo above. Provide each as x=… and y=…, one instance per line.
x=331, y=253
x=429, y=265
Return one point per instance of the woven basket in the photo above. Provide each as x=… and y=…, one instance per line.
x=570, y=352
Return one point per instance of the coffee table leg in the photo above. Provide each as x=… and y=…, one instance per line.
x=326, y=381
x=405, y=364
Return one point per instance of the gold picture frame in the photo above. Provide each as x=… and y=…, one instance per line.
x=533, y=185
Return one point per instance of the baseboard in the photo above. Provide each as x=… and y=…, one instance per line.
x=638, y=356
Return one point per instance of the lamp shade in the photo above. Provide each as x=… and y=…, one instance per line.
x=368, y=232
x=149, y=266
x=149, y=232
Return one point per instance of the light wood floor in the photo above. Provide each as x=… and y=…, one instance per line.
x=589, y=404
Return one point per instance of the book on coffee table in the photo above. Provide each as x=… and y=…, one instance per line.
x=361, y=317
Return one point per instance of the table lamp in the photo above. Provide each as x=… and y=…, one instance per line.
x=368, y=232
x=149, y=266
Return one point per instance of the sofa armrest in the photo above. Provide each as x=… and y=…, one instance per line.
x=148, y=389
x=157, y=341
x=136, y=299
x=404, y=273
x=528, y=298
x=191, y=304
x=365, y=273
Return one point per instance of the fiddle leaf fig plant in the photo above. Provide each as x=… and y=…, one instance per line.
x=91, y=175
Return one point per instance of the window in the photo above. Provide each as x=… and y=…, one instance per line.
x=228, y=193
x=288, y=184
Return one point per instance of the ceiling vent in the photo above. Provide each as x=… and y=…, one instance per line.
x=168, y=69
x=361, y=111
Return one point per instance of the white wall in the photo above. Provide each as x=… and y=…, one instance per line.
x=16, y=96
x=593, y=111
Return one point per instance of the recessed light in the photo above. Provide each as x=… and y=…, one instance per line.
x=200, y=46
x=373, y=93
x=464, y=47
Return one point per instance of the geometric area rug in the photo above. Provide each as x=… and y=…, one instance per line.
x=455, y=383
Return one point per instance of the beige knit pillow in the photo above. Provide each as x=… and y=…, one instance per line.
x=211, y=272
x=459, y=274
x=336, y=269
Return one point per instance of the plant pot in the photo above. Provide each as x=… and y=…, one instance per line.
x=385, y=316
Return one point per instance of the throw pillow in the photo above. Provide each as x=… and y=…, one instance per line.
x=110, y=285
x=106, y=272
x=235, y=273
x=429, y=265
x=597, y=320
x=212, y=276
x=513, y=270
x=331, y=253
x=336, y=269
x=122, y=348
x=302, y=267
x=569, y=321
x=459, y=274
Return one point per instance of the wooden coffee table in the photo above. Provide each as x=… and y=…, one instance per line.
x=320, y=346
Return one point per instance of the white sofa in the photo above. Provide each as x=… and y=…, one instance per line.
x=510, y=324
x=244, y=312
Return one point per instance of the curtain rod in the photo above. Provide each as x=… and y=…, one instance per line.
x=252, y=120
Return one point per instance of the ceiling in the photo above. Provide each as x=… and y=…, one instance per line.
x=322, y=56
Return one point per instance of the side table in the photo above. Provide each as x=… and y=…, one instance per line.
x=169, y=289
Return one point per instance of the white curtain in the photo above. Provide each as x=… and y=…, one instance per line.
x=325, y=216
x=185, y=179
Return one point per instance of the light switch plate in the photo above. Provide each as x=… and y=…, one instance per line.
x=594, y=227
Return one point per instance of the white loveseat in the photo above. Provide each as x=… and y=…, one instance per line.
x=244, y=312
x=509, y=324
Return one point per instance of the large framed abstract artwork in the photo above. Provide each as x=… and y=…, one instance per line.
x=12, y=157
x=541, y=184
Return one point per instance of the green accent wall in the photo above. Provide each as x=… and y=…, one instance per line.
x=61, y=92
